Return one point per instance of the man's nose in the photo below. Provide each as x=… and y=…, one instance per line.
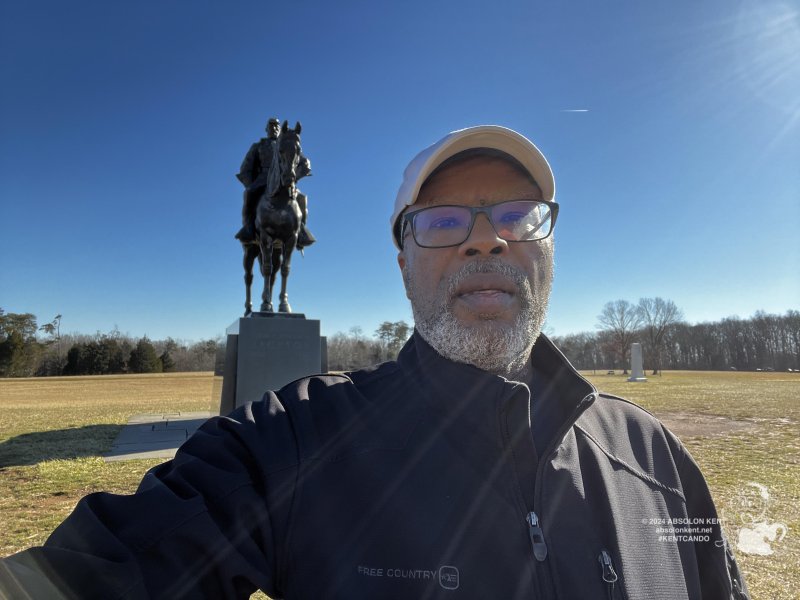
x=483, y=239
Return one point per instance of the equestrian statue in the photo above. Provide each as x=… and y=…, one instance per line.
x=274, y=211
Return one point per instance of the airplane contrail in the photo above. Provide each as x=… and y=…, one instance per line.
x=575, y=110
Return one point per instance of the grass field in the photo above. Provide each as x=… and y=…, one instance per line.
x=742, y=428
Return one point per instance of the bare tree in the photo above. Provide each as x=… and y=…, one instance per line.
x=657, y=315
x=620, y=319
x=353, y=350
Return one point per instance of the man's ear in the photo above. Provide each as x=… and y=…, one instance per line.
x=401, y=262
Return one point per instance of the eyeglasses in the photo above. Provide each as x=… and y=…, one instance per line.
x=451, y=225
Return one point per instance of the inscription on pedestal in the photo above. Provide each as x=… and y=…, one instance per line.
x=270, y=351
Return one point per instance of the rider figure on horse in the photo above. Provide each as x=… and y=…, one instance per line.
x=254, y=175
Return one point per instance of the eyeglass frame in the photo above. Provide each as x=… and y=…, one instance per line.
x=474, y=212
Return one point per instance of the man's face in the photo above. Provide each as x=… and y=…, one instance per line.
x=482, y=302
x=273, y=129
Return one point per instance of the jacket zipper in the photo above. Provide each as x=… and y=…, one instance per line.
x=537, y=539
x=532, y=519
x=608, y=572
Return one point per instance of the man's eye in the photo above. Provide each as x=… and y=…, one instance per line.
x=444, y=223
x=511, y=218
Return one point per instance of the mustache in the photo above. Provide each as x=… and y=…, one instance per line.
x=489, y=265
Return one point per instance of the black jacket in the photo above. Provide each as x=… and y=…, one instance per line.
x=419, y=478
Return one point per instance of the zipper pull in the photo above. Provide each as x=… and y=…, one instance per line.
x=537, y=538
x=609, y=575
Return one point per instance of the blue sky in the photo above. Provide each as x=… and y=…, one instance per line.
x=122, y=126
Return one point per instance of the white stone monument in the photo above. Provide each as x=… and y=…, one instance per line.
x=637, y=372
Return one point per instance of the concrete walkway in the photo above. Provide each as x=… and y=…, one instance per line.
x=155, y=435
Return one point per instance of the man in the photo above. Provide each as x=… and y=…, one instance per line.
x=480, y=464
x=254, y=175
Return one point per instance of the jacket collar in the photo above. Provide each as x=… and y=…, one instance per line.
x=466, y=394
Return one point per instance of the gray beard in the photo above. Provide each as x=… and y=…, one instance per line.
x=490, y=345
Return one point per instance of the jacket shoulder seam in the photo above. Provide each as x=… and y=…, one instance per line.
x=380, y=372
x=630, y=468
x=680, y=447
x=629, y=402
x=667, y=432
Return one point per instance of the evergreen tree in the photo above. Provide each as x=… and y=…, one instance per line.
x=96, y=359
x=7, y=348
x=392, y=336
x=12, y=355
x=75, y=360
x=167, y=364
x=144, y=358
x=116, y=355
x=19, y=349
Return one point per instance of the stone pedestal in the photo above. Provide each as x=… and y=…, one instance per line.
x=265, y=351
x=637, y=372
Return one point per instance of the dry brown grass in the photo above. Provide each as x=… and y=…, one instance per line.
x=53, y=432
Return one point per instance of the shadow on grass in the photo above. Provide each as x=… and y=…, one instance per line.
x=78, y=442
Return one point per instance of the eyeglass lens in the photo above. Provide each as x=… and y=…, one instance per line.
x=514, y=221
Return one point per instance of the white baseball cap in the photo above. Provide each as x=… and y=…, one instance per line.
x=482, y=136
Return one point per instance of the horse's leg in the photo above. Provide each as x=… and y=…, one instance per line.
x=288, y=248
x=250, y=254
x=266, y=272
x=276, y=265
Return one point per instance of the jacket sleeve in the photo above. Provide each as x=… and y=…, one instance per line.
x=211, y=523
x=720, y=577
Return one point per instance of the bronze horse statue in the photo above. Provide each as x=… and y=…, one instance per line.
x=278, y=220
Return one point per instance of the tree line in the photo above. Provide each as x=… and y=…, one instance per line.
x=762, y=342
x=354, y=350
x=30, y=350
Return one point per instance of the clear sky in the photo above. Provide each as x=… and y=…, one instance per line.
x=673, y=129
